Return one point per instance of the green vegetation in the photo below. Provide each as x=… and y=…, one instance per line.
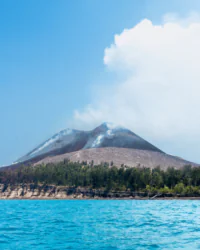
x=172, y=181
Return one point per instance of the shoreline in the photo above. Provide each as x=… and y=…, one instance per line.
x=52, y=192
x=101, y=198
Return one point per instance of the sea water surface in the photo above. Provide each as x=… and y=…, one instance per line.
x=99, y=224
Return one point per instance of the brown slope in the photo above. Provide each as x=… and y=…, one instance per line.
x=127, y=156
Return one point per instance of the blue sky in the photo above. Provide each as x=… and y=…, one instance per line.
x=51, y=57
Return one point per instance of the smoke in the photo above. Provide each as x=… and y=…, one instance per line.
x=159, y=96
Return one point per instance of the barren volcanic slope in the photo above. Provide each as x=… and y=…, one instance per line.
x=70, y=140
x=105, y=143
x=127, y=156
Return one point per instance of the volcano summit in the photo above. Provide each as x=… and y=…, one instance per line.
x=106, y=143
x=106, y=135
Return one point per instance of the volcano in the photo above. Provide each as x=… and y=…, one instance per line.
x=107, y=142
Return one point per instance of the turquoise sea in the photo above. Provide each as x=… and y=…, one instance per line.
x=99, y=224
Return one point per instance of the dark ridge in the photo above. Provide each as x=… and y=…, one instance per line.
x=103, y=136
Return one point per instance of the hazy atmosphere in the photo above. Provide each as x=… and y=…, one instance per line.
x=135, y=64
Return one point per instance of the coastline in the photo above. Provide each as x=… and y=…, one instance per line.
x=99, y=198
x=52, y=192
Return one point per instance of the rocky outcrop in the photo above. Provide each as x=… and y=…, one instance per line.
x=31, y=191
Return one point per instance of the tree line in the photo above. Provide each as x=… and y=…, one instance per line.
x=103, y=176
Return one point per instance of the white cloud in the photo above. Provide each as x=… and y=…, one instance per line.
x=160, y=98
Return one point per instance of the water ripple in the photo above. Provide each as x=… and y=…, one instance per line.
x=99, y=225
